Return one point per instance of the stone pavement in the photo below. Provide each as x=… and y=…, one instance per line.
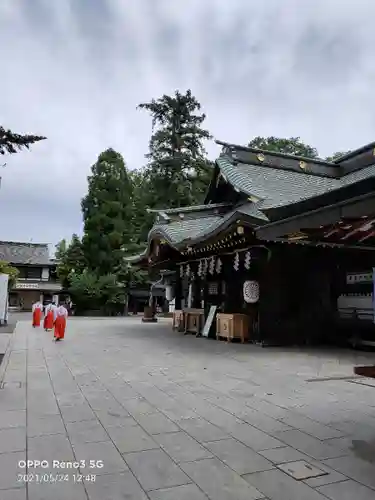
x=148, y=413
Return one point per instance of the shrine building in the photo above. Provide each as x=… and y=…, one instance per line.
x=283, y=248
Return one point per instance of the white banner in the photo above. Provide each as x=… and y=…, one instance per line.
x=3, y=296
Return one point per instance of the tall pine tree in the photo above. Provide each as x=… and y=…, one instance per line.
x=177, y=158
x=107, y=213
x=11, y=143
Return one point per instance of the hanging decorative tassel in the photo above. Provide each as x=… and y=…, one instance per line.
x=200, y=268
x=247, y=263
x=219, y=265
x=236, y=262
x=212, y=265
x=205, y=267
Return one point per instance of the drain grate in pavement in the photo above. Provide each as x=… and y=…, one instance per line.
x=14, y=385
x=301, y=470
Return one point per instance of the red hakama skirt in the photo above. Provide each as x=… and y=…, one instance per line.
x=37, y=316
x=60, y=325
x=48, y=321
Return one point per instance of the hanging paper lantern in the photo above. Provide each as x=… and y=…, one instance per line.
x=236, y=262
x=169, y=293
x=187, y=270
x=251, y=292
x=181, y=271
x=247, y=263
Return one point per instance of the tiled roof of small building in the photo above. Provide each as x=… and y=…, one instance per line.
x=178, y=231
x=202, y=226
x=24, y=253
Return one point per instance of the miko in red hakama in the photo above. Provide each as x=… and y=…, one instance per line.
x=37, y=314
x=48, y=320
x=60, y=323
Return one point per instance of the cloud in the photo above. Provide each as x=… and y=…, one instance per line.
x=75, y=71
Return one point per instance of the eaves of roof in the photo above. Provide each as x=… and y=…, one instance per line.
x=191, y=231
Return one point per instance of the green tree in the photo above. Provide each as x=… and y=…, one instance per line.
x=12, y=272
x=336, y=156
x=60, y=249
x=92, y=292
x=11, y=143
x=70, y=259
x=291, y=146
x=108, y=214
x=176, y=152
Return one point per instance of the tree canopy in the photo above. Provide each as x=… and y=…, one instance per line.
x=12, y=272
x=336, y=156
x=94, y=269
x=177, y=159
x=290, y=146
x=70, y=259
x=107, y=214
x=11, y=143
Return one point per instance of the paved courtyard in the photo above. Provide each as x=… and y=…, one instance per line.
x=147, y=413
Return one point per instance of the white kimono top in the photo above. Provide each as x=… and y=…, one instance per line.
x=61, y=311
x=51, y=307
x=37, y=305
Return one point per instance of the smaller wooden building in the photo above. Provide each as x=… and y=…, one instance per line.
x=272, y=245
x=37, y=279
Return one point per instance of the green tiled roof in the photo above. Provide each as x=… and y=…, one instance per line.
x=277, y=187
x=200, y=227
x=271, y=183
x=191, y=229
x=358, y=175
x=252, y=210
x=274, y=186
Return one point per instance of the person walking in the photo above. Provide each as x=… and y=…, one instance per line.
x=37, y=309
x=49, y=318
x=60, y=322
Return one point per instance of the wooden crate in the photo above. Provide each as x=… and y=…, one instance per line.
x=232, y=326
x=193, y=319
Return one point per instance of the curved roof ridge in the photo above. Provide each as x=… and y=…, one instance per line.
x=319, y=161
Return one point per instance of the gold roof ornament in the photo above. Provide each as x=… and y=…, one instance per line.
x=302, y=165
x=261, y=157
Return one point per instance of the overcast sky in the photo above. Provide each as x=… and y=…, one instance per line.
x=75, y=71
